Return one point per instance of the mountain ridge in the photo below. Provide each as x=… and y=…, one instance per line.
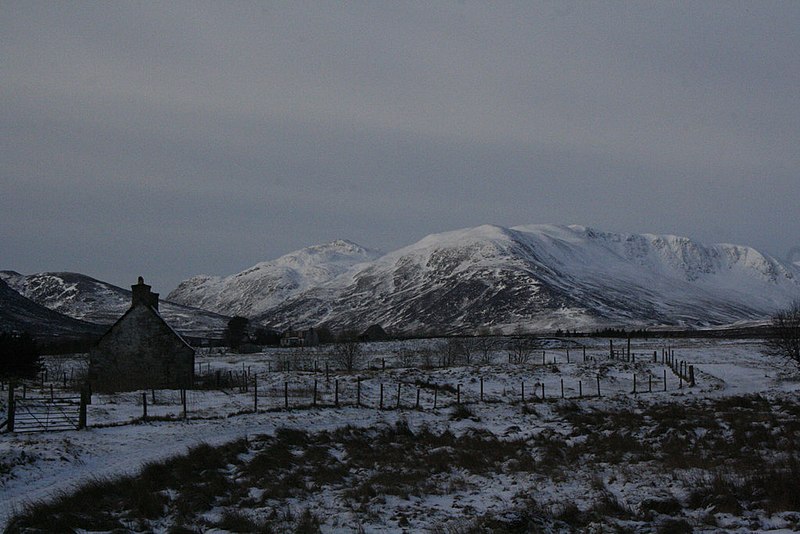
x=535, y=277
x=268, y=283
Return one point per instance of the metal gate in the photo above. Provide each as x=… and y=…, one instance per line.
x=45, y=414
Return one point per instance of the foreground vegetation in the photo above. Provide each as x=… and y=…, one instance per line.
x=703, y=465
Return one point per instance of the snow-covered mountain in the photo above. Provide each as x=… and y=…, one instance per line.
x=20, y=314
x=535, y=277
x=87, y=299
x=266, y=285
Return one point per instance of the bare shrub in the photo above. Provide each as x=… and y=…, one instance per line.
x=450, y=352
x=407, y=357
x=347, y=353
x=784, y=334
x=520, y=350
x=485, y=346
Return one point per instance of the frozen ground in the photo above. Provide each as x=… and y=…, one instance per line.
x=39, y=466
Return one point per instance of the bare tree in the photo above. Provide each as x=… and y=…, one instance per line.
x=521, y=349
x=347, y=352
x=485, y=346
x=452, y=351
x=468, y=349
x=407, y=357
x=784, y=335
x=426, y=355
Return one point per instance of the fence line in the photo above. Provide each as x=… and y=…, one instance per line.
x=305, y=392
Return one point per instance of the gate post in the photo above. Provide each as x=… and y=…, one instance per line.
x=82, y=409
x=11, y=406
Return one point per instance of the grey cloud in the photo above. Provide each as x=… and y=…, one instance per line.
x=203, y=137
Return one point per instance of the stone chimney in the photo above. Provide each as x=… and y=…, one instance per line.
x=143, y=295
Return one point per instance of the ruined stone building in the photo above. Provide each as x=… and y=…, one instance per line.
x=140, y=350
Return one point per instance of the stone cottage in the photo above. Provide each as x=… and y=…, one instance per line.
x=140, y=350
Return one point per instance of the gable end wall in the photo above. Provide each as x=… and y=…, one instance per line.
x=141, y=352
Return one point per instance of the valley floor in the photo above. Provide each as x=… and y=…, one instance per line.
x=719, y=456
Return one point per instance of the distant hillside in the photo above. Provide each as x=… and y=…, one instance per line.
x=20, y=314
x=85, y=298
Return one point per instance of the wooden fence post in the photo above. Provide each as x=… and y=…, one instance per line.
x=567, y=355
x=543, y=362
x=523, y=391
x=481, y=389
x=665, y=380
x=336, y=392
x=598, y=385
x=314, y=398
x=398, y=395
x=542, y=390
x=458, y=393
x=634, y=383
x=580, y=389
x=255, y=393
x=183, y=402
x=562, y=388
x=381, y=404
x=286, y=395
x=435, y=396
x=144, y=406
x=358, y=391
x=417, y=404
x=649, y=383
x=584, y=353
x=691, y=375
x=611, y=348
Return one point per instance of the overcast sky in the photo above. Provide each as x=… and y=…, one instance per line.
x=169, y=139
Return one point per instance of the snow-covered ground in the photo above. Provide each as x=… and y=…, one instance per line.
x=37, y=466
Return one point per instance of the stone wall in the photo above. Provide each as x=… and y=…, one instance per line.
x=141, y=352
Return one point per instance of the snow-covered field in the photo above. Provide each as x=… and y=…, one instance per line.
x=38, y=466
